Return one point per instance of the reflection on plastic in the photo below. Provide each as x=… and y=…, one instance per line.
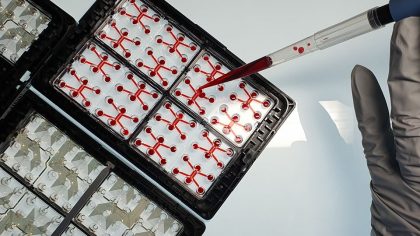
x=343, y=118
x=291, y=131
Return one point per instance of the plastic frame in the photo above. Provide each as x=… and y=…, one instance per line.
x=208, y=205
x=60, y=26
x=30, y=104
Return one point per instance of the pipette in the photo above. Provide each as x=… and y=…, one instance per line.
x=366, y=22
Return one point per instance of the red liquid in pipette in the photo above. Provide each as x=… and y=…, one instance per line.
x=241, y=72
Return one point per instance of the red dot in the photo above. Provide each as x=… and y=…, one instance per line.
x=151, y=152
x=185, y=158
x=218, y=67
x=193, y=48
x=220, y=165
x=221, y=88
x=193, y=124
x=168, y=105
x=295, y=48
x=103, y=36
x=137, y=43
x=233, y=97
x=148, y=130
x=205, y=134
x=145, y=107
x=104, y=57
x=171, y=127
x=238, y=139
x=197, y=168
x=120, y=88
x=125, y=33
x=62, y=84
x=214, y=121
x=133, y=98
x=135, y=21
x=245, y=106
x=123, y=110
x=155, y=95
x=178, y=93
x=200, y=190
x=138, y=142
x=171, y=50
x=87, y=104
x=110, y=100
x=173, y=149
x=100, y=113
x=217, y=143
x=72, y=72
x=156, y=19
x=210, y=177
x=115, y=45
x=136, y=120
x=98, y=91
x=112, y=122
x=195, y=146
x=74, y=94
x=82, y=60
x=161, y=139
x=202, y=112
x=162, y=62
x=188, y=180
x=183, y=136
x=169, y=29
x=206, y=58
x=212, y=100
x=175, y=171
x=122, y=12
x=184, y=59
x=107, y=79
x=301, y=50
x=197, y=69
x=149, y=52
x=158, y=117
x=147, y=31
x=257, y=115
x=125, y=132
x=242, y=85
x=140, y=64
x=117, y=66
x=163, y=162
x=152, y=73
x=165, y=83
x=159, y=40
x=144, y=10
x=95, y=69
x=207, y=155
x=174, y=72
x=266, y=103
x=127, y=54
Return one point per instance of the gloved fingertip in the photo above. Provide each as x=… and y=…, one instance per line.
x=363, y=81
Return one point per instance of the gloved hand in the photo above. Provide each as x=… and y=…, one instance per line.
x=393, y=153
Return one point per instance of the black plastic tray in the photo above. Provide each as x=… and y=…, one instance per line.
x=30, y=104
x=59, y=28
x=209, y=205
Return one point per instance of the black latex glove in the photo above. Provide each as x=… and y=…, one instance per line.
x=393, y=153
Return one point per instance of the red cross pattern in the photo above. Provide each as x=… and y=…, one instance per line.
x=191, y=177
x=116, y=120
x=176, y=42
x=99, y=66
x=247, y=103
x=123, y=37
x=174, y=123
x=194, y=100
x=140, y=15
x=234, y=122
x=79, y=91
x=155, y=149
x=157, y=68
x=214, y=149
x=140, y=93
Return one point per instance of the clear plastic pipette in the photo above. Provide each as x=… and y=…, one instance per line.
x=361, y=24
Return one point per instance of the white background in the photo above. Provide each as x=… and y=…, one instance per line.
x=312, y=180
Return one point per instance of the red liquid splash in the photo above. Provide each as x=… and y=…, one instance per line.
x=243, y=71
